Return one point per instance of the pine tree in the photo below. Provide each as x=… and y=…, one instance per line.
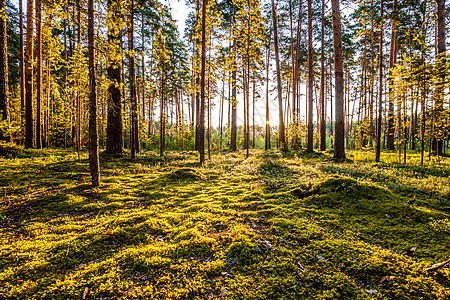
x=38, y=73
x=380, y=92
x=29, y=133
x=4, y=83
x=281, y=133
x=114, y=129
x=94, y=163
x=440, y=83
x=134, y=140
x=310, y=143
x=339, y=146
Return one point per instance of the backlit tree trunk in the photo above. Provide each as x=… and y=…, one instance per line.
x=281, y=136
x=21, y=66
x=392, y=62
x=380, y=93
x=267, y=140
x=93, y=134
x=339, y=145
x=323, y=124
x=114, y=129
x=310, y=143
x=135, y=147
x=201, y=145
x=440, y=84
x=233, y=136
x=29, y=134
x=4, y=89
x=38, y=73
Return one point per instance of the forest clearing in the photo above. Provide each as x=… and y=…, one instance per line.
x=235, y=149
x=293, y=226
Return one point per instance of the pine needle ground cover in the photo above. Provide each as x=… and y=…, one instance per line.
x=297, y=226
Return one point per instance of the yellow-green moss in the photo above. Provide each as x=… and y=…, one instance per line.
x=297, y=226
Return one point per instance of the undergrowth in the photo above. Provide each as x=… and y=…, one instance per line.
x=298, y=226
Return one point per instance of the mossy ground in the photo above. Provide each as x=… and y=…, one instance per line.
x=294, y=226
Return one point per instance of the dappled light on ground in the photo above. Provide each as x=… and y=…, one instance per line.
x=297, y=226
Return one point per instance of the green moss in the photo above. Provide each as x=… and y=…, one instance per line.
x=273, y=226
x=186, y=174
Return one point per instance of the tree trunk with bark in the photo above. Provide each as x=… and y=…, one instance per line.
x=114, y=127
x=323, y=124
x=29, y=133
x=392, y=62
x=201, y=145
x=310, y=143
x=4, y=88
x=380, y=93
x=440, y=84
x=267, y=139
x=38, y=73
x=135, y=145
x=21, y=66
x=233, y=136
x=339, y=144
x=94, y=163
x=281, y=136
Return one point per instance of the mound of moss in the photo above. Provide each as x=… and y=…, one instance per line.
x=186, y=174
x=10, y=150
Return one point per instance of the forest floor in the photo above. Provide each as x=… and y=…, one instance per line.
x=293, y=226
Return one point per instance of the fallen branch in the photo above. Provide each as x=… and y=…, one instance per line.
x=437, y=266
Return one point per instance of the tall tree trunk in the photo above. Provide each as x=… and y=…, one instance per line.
x=244, y=92
x=281, y=137
x=78, y=115
x=310, y=143
x=45, y=141
x=267, y=140
x=247, y=137
x=65, y=90
x=331, y=104
x=150, y=98
x=295, y=85
x=38, y=73
x=233, y=135
x=229, y=109
x=197, y=81
x=114, y=128
x=440, y=84
x=143, y=67
x=93, y=134
x=380, y=86
x=73, y=96
x=4, y=89
x=194, y=88
x=201, y=148
x=339, y=146
x=323, y=124
x=392, y=62
x=29, y=134
x=209, y=99
x=21, y=67
x=162, y=119
x=422, y=85
x=135, y=148
x=222, y=100
x=372, y=84
x=253, y=113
